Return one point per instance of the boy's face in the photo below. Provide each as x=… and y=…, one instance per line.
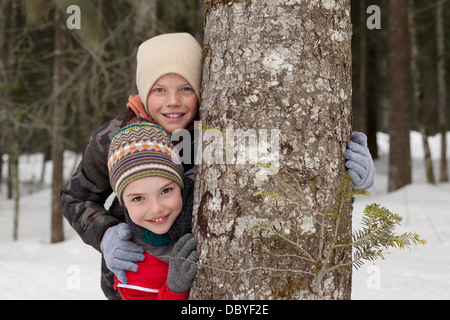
x=172, y=102
x=153, y=203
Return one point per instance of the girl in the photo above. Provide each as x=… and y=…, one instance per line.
x=147, y=178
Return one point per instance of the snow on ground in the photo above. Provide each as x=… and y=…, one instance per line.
x=33, y=268
x=422, y=272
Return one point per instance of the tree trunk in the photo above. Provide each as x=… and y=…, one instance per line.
x=268, y=226
x=442, y=86
x=363, y=67
x=400, y=154
x=418, y=92
x=59, y=116
x=374, y=93
x=16, y=193
x=1, y=168
x=10, y=185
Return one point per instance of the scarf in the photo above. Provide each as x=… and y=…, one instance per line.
x=135, y=104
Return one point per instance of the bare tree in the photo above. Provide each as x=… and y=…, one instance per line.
x=266, y=229
x=144, y=28
x=399, y=124
x=59, y=117
x=10, y=74
x=418, y=91
x=442, y=86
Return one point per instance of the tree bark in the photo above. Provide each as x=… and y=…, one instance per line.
x=399, y=127
x=284, y=66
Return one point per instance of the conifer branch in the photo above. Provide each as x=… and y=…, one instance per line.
x=369, y=243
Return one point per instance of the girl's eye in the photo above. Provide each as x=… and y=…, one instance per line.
x=167, y=190
x=137, y=199
x=159, y=90
x=187, y=89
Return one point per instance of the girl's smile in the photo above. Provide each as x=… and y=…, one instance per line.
x=158, y=220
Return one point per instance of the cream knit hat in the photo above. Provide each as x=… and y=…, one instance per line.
x=176, y=53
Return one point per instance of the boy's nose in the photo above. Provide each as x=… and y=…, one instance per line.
x=173, y=99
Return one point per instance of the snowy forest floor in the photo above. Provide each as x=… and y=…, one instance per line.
x=33, y=268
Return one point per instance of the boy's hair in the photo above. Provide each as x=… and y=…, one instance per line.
x=142, y=149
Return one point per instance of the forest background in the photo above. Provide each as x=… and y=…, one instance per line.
x=57, y=84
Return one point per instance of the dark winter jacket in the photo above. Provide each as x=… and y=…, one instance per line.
x=84, y=196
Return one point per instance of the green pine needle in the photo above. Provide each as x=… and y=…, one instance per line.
x=377, y=233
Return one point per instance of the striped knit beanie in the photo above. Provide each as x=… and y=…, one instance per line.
x=178, y=53
x=142, y=149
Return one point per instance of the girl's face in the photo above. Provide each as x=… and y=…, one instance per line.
x=153, y=203
x=172, y=102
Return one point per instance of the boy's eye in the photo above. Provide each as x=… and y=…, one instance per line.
x=186, y=89
x=159, y=90
x=167, y=190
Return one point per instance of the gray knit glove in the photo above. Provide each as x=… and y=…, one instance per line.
x=119, y=252
x=359, y=162
x=181, y=271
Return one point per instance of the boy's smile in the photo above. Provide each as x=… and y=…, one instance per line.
x=173, y=115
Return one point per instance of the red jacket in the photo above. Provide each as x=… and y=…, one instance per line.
x=149, y=282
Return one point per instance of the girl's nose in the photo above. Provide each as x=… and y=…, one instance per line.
x=155, y=207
